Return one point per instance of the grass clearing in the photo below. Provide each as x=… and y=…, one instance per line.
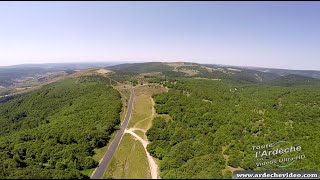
x=103, y=71
x=144, y=124
x=129, y=161
x=143, y=106
x=141, y=134
x=189, y=72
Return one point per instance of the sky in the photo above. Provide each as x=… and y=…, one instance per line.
x=261, y=34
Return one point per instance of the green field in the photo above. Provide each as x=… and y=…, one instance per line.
x=129, y=161
x=142, y=108
x=141, y=134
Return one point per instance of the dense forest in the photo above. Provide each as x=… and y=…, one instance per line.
x=122, y=76
x=52, y=132
x=214, y=125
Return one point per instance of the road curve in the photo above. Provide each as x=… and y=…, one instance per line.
x=99, y=171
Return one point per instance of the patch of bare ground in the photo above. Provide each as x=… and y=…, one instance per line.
x=189, y=72
x=233, y=69
x=103, y=71
x=151, y=74
x=207, y=78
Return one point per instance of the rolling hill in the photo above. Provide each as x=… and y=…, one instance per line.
x=283, y=72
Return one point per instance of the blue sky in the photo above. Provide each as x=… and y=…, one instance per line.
x=265, y=34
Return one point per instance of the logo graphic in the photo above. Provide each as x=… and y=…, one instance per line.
x=281, y=154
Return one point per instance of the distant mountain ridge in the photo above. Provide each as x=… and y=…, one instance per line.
x=283, y=72
x=215, y=71
x=174, y=69
x=293, y=79
x=62, y=66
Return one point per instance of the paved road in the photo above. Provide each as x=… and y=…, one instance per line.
x=98, y=173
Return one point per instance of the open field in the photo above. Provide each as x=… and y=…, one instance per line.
x=129, y=161
x=207, y=79
x=142, y=110
x=189, y=72
x=142, y=113
x=103, y=71
x=141, y=134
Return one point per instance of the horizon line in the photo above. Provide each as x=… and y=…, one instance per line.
x=158, y=61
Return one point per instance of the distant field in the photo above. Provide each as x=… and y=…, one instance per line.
x=103, y=71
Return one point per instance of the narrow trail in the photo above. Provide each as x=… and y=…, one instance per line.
x=152, y=163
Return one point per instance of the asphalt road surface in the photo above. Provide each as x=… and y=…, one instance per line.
x=98, y=173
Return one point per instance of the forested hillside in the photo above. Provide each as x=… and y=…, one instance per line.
x=284, y=72
x=197, y=70
x=52, y=132
x=142, y=67
x=215, y=124
x=236, y=74
x=209, y=71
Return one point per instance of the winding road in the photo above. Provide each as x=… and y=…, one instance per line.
x=99, y=171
